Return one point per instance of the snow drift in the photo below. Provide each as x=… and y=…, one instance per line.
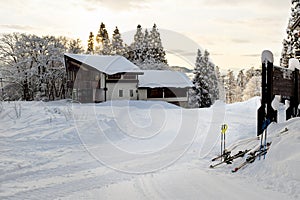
x=140, y=150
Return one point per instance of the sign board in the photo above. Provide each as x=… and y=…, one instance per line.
x=283, y=82
x=277, y=81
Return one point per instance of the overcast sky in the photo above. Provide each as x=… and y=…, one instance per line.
x=235, y=32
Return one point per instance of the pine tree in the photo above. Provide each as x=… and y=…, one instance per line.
x=156, y=46
x=100, y=37
x=148, y=58
x=103, y=46
x=292, y=43
x=204, y=88
x=221, y=88
x=107, y=48
x=90, y=49
x=118, y=46
x=230, y=86
x=240, y=86
x=212, y=79
x=137, y=46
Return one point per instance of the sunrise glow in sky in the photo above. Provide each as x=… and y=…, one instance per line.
x=235, y=32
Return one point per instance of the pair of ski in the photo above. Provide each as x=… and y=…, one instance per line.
x=227, y=158
x=224, y=155
x=258, y=152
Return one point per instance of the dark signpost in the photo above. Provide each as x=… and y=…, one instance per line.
x=277, y=81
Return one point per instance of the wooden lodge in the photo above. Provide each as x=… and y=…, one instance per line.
x=95, y=78
x=100, y=78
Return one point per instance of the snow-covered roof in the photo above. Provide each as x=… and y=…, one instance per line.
x=163, y=78
x=105, y=63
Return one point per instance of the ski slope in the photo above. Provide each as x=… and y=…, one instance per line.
x=141, y=150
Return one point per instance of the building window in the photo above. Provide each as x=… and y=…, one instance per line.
x=114, y=77
x=129, y=76
x=120, y=93
x=131, y=93
x=155, y=93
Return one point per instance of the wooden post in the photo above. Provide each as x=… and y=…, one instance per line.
x=296, y=93
x=271, y=113
x=261, y=112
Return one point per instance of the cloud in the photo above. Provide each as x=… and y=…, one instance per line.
x=217, y=54
x=223, y=3
x=116, y=5
x=251, y=55
x=236, y=3
x=240, y=41
x=182, y=52
x=17, y=27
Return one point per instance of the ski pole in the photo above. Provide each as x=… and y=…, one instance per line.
x=223, y=130
x=221, y=142
x=265, y=144
x=224, y=140
x=261, y=142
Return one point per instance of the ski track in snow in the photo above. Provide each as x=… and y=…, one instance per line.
x=42, y=157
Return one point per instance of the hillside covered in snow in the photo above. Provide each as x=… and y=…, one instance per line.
x=141, y=150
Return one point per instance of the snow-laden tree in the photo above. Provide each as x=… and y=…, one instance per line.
x=240, y=86
x=292, y=43
x=250, y=73
x=118, y=46
x=103, y=44
x=100, y=37
x=137, y=46
x=230, y=87
x=75, y=46
x=220, y=84
x=91, y=48
x=34, y=65
x=241, y=80
x=147, y=57
x=205, y=89
x=157, y=49
x=253, y=88
x=213, y=81
x=107, y=48
x=147, y=51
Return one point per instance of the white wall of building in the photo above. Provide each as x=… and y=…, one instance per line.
x=121, y=91
x=142, y=94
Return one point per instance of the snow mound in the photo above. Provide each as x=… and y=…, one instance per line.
x=139, y=104
x=63, y=150
x=280, y=169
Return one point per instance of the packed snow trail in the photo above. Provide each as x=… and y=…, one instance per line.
x=54, y=150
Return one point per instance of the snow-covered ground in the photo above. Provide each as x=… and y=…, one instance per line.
x=140, y=150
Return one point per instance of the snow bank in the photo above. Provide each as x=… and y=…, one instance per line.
x=280, y=170
x=139, y=104
x=59, y=150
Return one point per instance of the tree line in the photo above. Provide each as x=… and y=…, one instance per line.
x=146, y=50
x=245, y=85
x=291, y=44
x=33, y=66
